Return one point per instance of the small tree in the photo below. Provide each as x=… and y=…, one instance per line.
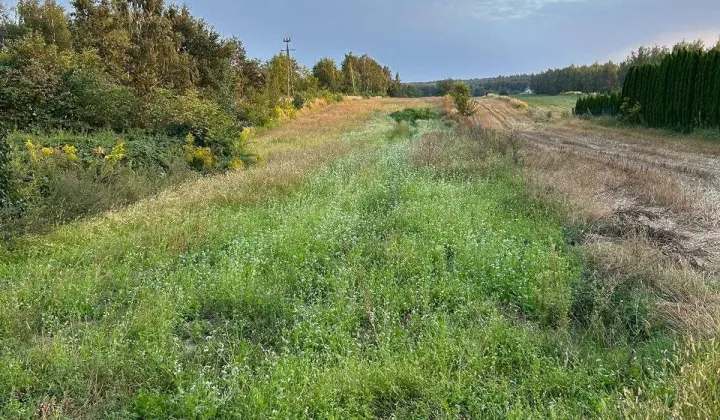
x=464, y=103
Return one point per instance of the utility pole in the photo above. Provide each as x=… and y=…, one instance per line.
x=289, y=65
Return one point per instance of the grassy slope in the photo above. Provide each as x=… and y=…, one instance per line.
x=372, y=288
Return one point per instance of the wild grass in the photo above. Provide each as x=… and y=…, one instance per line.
x=515, y=103
x=381, y=285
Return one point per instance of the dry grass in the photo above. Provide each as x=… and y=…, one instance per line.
x=697, y=387
x=628, y=205
x=683, y=299
x=515, y=103
x=599, y=187
x=468, y=149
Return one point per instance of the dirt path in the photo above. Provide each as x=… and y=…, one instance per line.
x=669, y=191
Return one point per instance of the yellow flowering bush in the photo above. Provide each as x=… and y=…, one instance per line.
x=236, y=164
x=32, y=149
x=200, y=158
x=116, y=154
x=70, y=152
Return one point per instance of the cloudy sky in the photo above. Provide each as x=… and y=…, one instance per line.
x=434, y=39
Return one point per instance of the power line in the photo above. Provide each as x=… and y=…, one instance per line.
x=289, y=65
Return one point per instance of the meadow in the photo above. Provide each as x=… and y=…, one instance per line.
x=392, y=276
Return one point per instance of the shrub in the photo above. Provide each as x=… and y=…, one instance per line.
x=599, y=104
x=5, y=174
x=8, y=197
x=65, y=176
x=631, y=113
x=298, y=101
x=465, y=105
x=209, y=124
x=93, y=101
x=412, y=115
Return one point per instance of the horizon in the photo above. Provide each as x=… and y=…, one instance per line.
x=430, y=40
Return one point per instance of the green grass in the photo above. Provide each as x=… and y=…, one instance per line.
x=376, y=289
x=543, y=103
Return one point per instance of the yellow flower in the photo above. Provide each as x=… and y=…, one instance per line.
x=32, y=149
x=246, y=134
x=47, y=151
x=116, y=154
x=236, y=164
x=71, y=152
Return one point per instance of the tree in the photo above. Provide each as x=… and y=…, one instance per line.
x=364, y=75
x=445, y=86
x=396, y=88
x=465, y=105
x=47, y=19
x=327, y=74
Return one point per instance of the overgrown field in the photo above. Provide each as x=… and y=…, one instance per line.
x=412, y=278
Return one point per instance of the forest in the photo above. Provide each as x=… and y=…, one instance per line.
x=119, y=98
x=598, y=78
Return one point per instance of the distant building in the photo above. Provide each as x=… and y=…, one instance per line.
x=527, y=91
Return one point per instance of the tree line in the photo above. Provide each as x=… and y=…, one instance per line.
x=681, y=92
x=504, y=85
x=594, y=78
x=66, y=69
x=679, y=89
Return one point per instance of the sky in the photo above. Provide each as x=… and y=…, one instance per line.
x=427, y=40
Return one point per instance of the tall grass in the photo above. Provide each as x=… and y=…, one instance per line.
x=380, y=287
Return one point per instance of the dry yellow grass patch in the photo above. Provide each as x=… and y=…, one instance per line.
x=515, y=103
x=684, y=301
x=598, y=187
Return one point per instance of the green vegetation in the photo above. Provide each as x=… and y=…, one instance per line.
x=412, y=279
x=594, y=78
x=680, y=92
x=464, y=103
x=150, y=77
x=599, y=104
x=504, y=85
x=557, y=104
x=676, y=90
x=413, y=115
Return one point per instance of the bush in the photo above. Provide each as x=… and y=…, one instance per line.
x=599, y=104
x=63, y=176
x=5, y=174
x=8, y=197
x=460, y=93
x=412, y=115
x=298, y=101
x=210, y=125
x=93, y=101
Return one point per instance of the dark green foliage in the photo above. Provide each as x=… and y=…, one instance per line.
x=464, y=103
x=680, y=92
x=55, y=189
x=479, y=87
x=412, y=115
x=593, y=78
x=6, y=186
x=599, y=104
